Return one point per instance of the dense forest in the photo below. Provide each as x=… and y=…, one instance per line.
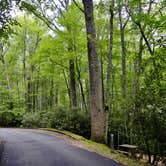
x=94, y=68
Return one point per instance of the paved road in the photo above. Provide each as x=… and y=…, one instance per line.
x=31, y=148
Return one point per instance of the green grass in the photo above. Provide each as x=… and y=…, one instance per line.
x=98, y=148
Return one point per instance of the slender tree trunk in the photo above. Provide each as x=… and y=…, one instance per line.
x=155, y=152
x=28, y=96
x=102, y=75
x=148, y=151
x=109, y=66
x=137, y=67
x=81, y=86
x=73, y=97
x=7, y=78
x=24, y=56
x=51, y=98
x=66, y=82
x=57, y=95
x=7, y=74
x=30, y=93
x=122, y=28
x=37, y=95
x=98, y=116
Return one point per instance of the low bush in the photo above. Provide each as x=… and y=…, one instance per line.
x=75, y=120
x=10, y=119
x=79, y=123
x=31, y=120
x=58, y=118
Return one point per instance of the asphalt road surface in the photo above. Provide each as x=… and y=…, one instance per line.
x=32, y=148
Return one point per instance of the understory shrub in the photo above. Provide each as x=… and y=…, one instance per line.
x=10, y=118
x=31, y=120
x=79, y=123
x=59, y=118
x=75, y=120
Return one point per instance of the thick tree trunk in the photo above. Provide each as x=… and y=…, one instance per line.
x=98, y=116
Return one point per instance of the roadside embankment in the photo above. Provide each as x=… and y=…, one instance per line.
x=98, y=148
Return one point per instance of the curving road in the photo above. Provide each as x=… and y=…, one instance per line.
x=31, y=148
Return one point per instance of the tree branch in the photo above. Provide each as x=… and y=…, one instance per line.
x=78, y=6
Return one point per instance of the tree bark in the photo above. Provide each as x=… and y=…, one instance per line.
x=51, y=98
x=122, y=28
x=24, y=56
x=137, y=67
x=109, y=66
x=98, y=116
x=73, y=97
x=28, y=96
x=81, y=86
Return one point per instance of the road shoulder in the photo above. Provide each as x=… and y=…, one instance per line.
x=91, y=146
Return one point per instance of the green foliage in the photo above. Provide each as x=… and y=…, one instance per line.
x=61, y=118
x=75, y=121
x=79, y=122
x=31, y=120
x=10, y=119
x=5, y=18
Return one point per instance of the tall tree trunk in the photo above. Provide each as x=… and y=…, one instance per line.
x=109, y=66
x=30, y=94
x=81, y=86
x=122, y=28
x=98, y=116
x=71, y=47
x=24, y=55
x=7, y=77
x=24, y=67
x=102, y=75
x=137, y=67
